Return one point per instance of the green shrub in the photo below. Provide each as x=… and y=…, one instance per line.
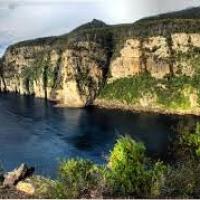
x=129, y=90
x=182, y=181
x=78, y=178
x=191, y=140
x=130, y=173
x=182, y=178
x=170, y=92
x=44, y=187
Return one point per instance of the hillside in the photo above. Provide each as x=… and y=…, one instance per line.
x=103, y=60
x=190, y=13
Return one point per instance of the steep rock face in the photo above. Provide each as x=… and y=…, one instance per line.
x=71, y=76
x=160, y=56
x=72, y=68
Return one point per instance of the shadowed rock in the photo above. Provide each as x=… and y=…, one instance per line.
x=18, y=174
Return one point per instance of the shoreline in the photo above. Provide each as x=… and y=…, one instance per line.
x=116, y=105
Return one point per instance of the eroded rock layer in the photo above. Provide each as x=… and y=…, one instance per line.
x=160, y=56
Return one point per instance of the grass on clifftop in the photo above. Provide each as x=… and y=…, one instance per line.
x=170, y=92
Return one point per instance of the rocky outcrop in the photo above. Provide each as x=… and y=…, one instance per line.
x=15, y=176
x=71, y=76
x=21, y=183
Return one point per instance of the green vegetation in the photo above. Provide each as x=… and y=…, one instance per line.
x=129, y=173
x=104, y=44
x=171, y=92
x=128, y=90
x=42, y=71
x=190, y=139
x=190, y=13
x=44, y=187
x=191, y=58
x=182, y=178
x=112, y=37
x=78, y=178
x=182, y=181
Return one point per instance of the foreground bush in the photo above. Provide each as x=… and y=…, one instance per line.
x=182, y=181
x=130, y=173
x=44, y=187
x=186, y=146
x=78, y=179
x=191, y=140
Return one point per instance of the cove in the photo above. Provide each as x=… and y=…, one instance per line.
x=36, y=132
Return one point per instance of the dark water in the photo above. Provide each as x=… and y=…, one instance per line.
x=35, y=132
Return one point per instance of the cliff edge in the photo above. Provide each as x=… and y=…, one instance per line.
x=135, y=64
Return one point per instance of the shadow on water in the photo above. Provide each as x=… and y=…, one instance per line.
x=34, y=131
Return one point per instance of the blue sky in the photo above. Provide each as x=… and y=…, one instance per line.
x=27, y=19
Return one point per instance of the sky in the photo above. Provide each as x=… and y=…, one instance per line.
x=28, y=19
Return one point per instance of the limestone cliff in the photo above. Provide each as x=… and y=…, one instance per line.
x=70, y=76
x=160, y=56
x=73, y=68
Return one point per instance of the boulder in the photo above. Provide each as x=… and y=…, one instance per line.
x=18, y=174
x=25, y=187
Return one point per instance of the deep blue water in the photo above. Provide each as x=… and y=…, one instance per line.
x=35, y=132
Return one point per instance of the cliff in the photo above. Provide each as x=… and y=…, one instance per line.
x=96, y=59
x=68, y=71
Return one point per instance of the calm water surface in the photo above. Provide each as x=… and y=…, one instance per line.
x=35, y=132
